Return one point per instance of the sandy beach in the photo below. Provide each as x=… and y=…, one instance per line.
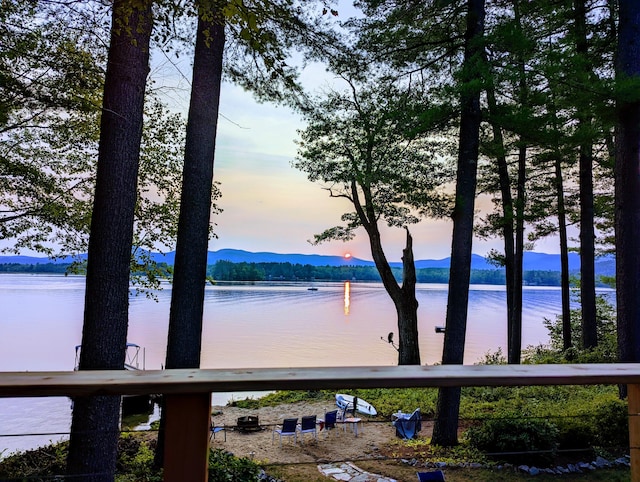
x=334, y=445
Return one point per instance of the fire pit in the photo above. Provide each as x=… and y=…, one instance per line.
x=248, y=424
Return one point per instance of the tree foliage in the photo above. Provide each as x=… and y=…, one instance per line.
x=368, y=145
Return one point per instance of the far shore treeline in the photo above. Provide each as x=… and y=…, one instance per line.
x=243, y=271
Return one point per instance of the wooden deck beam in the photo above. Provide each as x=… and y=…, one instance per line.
x=184, y=381
x=188, y=393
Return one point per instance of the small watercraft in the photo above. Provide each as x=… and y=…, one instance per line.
x=345, y=402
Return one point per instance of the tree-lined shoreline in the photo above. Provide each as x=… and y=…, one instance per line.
x=243, y=271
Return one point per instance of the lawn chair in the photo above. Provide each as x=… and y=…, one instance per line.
x=308, y=425
x=216, y=429
x=408, y=427
x=435, y=475
x=330, y=421
x=289, y=428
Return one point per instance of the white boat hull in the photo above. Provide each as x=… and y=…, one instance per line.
x=345, y=402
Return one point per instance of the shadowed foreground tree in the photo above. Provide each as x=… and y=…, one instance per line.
x=627, y=189
x=445, y=430
x=190, y=269
x=95, y=422
x=250, y=41
x=359, y=144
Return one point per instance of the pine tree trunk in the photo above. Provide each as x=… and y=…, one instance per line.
x=627, y=189
x=95, y=422
x=445, y=430
x=507, y=218
x=564, y=259
x=190, y=269
x=515, y=342
x=587, y=231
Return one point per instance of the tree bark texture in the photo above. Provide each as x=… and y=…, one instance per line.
x=407, y=309
x=95, y=422
x=564, y=259
x=515, y=340
x=189, y=278
x=507, y=215
x=446, y=424
x=404, y=298
x=587, y=230
x=190, y=269
x=627, y=189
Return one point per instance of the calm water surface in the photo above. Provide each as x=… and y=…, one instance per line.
x=259, y=325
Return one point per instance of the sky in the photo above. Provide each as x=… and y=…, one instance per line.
x=267, y=204
x=270, y=206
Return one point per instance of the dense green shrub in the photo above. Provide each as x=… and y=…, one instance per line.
x=42, y=462
x=611, y=424
x=135, y=460
x=605, y=352
x=575, y=432
x=225, y=467
x=517, y=439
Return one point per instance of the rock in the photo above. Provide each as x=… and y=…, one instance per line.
x=475, y=465
x=534, y=471
x=440, y=465
x=601, y=462
x=523, y=468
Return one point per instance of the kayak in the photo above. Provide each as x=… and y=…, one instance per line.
x=345, y=402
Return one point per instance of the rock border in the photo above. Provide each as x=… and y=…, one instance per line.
x=577, y=468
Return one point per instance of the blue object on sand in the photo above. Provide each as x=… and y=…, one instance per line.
x=434, y=475
x=408, y=426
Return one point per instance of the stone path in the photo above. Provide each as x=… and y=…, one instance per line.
x=349, y=472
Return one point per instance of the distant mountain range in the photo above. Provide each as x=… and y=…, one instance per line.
x=532, y=260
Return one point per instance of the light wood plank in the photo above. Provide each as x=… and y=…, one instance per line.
x=30, y=384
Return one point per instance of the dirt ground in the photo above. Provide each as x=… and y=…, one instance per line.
x=334, y=445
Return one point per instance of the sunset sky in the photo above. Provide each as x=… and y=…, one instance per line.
x=270, y=206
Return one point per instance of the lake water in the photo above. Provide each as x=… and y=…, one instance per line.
x=257, y=325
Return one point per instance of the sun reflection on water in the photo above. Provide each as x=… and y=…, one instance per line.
x=347, y=297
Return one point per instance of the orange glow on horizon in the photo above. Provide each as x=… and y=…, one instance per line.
x=347, y=255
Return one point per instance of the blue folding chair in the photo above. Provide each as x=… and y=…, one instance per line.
x=289, y=428
x=216, y=429
x=308, y=425
x=431, y=476
x=330, y=421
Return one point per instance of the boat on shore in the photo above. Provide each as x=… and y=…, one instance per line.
x=131, y=404
x=345, y=402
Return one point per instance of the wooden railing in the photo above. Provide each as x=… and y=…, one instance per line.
x=188, y=393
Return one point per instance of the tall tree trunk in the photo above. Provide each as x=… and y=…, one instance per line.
x=587, y=231
x=507, y=215
x=95, y=422
x=190, y=268
x=407, y=309
x=627, y=189
x=404, y=299
x=564, y=259
x=445, y=431
x=515, y=342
